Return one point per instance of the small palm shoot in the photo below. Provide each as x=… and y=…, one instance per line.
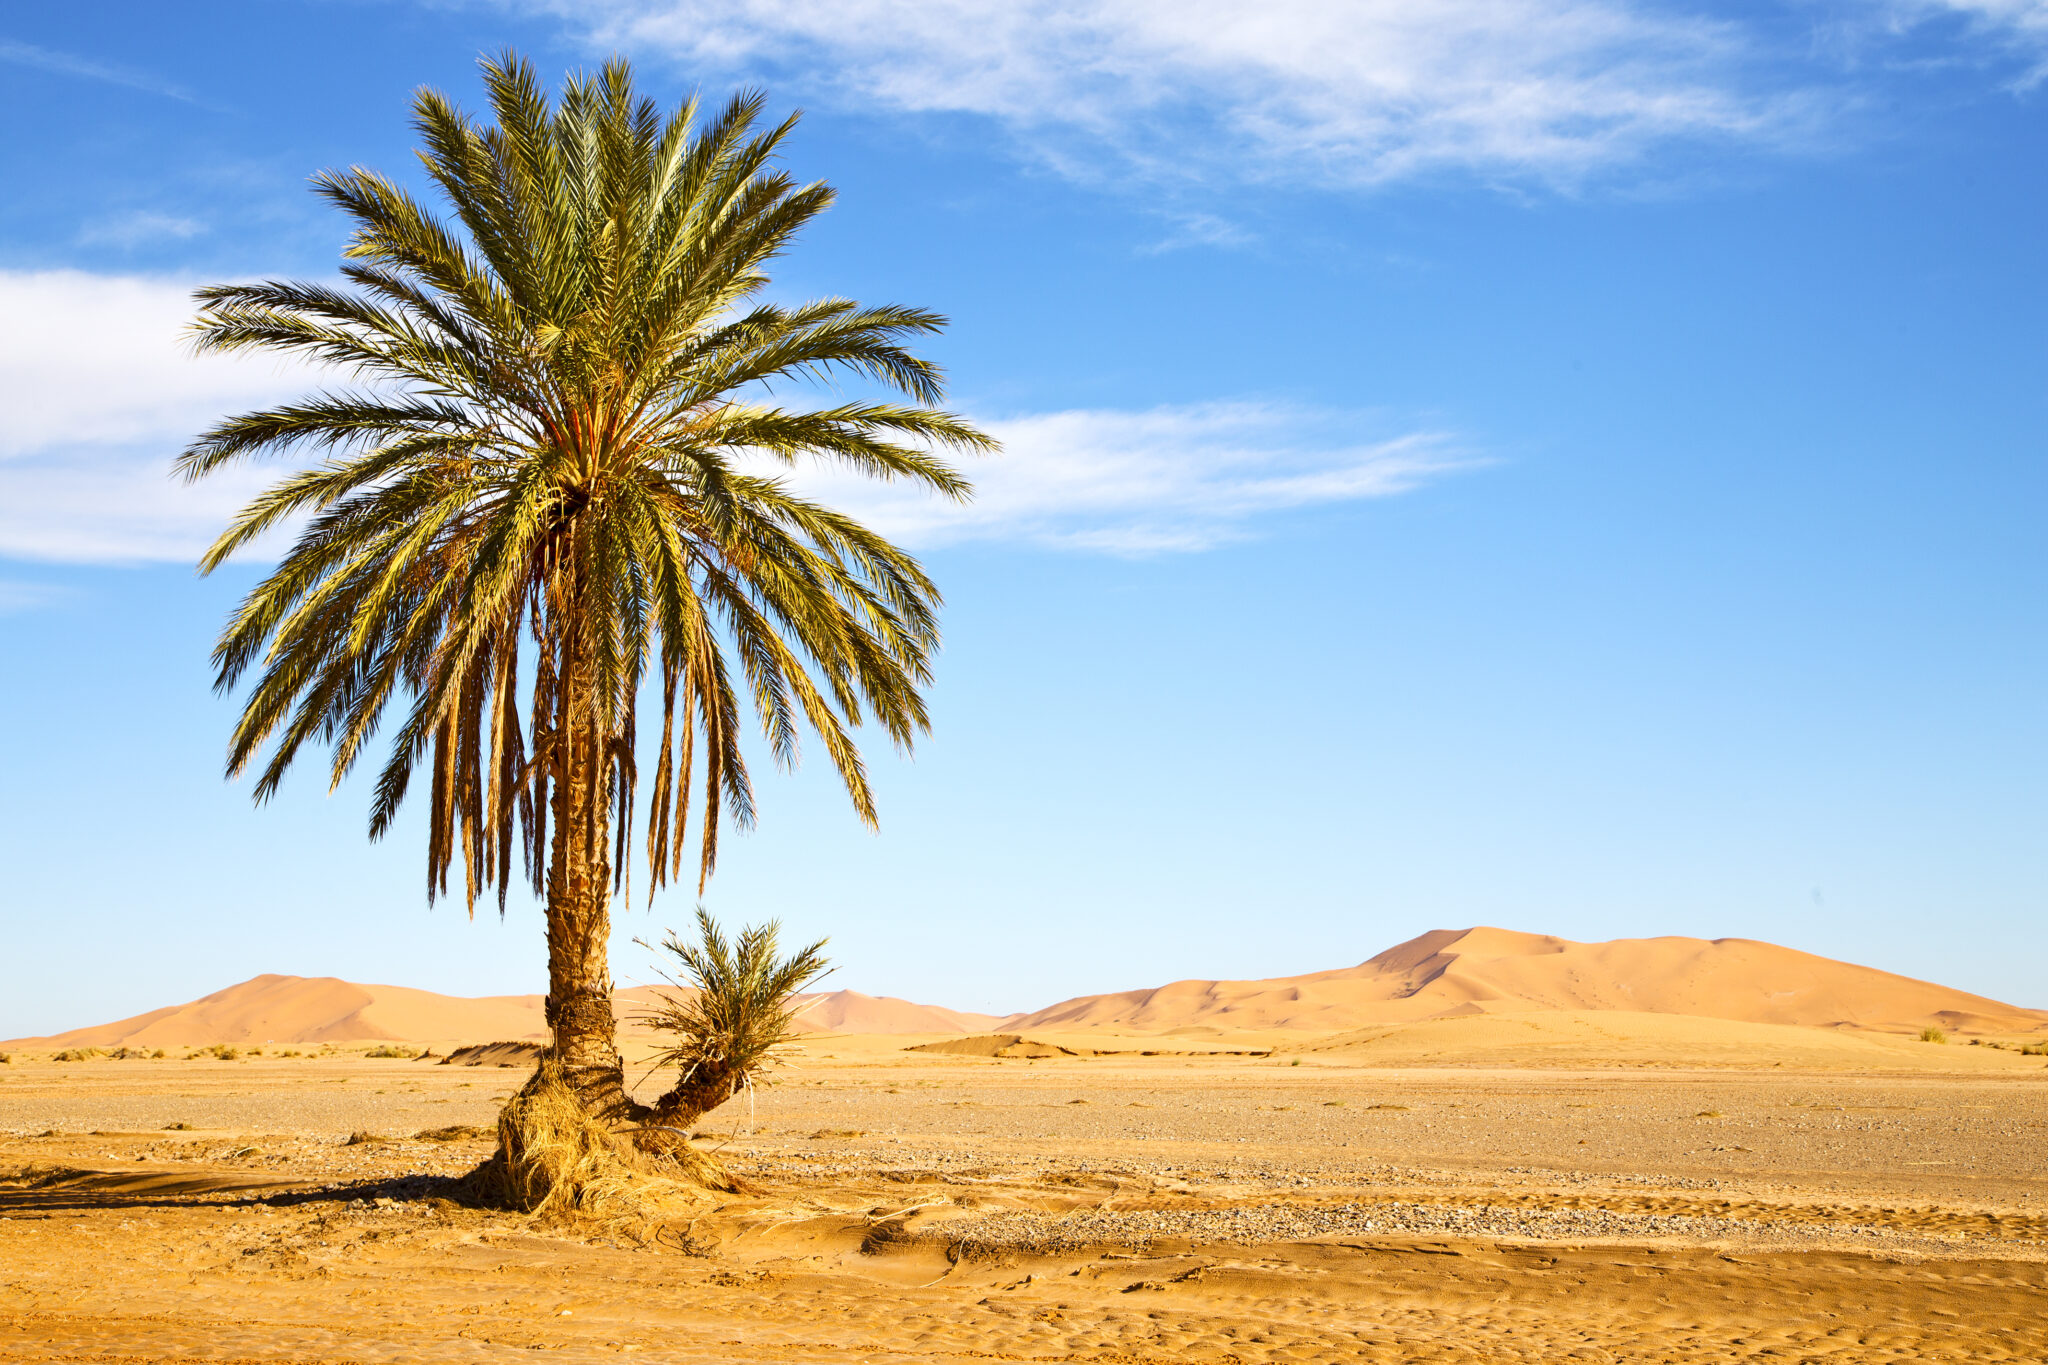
x=734, y=1012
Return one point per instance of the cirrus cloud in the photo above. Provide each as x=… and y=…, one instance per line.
x=101, y=394
x=1558, y=93
x=1360, y=93
x=1160, y=480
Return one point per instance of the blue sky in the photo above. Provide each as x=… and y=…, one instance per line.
x=1570, y=466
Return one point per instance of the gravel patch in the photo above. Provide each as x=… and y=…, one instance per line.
x=1140, y=1230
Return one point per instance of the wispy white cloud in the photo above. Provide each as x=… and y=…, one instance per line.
x=1166, y=479
x=137, y=227
x=91, y=359
x=17, y=595
x=65, y=64
x=1356, y=93
x=86, y=505
x=101, y=394
x=2019, y=28
x=1197, y=230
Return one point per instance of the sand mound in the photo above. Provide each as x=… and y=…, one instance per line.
x=994, y=1045
x=1449, y=973
x=494, y=1054
x=326, y=1009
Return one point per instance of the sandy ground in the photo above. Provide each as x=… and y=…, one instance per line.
x=921, y=1207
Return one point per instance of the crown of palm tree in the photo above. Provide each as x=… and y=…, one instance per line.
x=740, y=1006
x=558, y=454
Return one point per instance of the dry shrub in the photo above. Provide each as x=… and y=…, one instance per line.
x=1931, y=1034
x=454, y=1132
x=558, y=1161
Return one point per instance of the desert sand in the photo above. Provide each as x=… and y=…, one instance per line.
x=1542, y=1183
x=915, y=1206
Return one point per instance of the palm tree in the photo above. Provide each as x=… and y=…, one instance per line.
x=553, y=480
x=739, y=1011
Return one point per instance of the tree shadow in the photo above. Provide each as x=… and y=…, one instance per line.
x=74, y=1190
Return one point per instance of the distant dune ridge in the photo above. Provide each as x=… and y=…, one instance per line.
x=1449, y=973
x=326, y=1009
x=1442, y=975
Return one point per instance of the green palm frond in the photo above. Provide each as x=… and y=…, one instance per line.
x=737, y=1003
x=547, y=478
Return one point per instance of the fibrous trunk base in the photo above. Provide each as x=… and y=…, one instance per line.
x=559, y=1159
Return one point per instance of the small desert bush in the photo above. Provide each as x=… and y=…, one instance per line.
x=737, y=1015
x=76, y=1054
x=387, y=1050
x=6, y=1058
x=2034, y=1050
x=1931, y=1034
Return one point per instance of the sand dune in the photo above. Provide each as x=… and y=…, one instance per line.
x=1444, y=974
x=1448, y=973
x=852, y=1012
x=322, y=1009
x=326, y=1009
x=833, y=1012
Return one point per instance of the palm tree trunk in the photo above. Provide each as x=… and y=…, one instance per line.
x=695, y=1096
x=579, y=1000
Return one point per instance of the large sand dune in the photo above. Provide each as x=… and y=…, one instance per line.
x=1449, y=973
x=1444, y=974
x=326, y=1009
